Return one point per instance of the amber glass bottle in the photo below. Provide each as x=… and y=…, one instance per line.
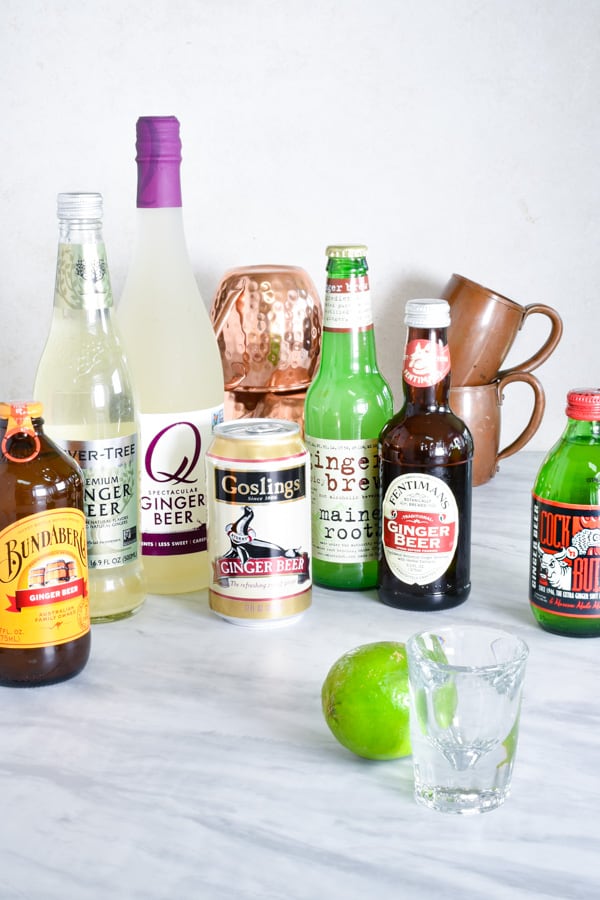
x=44, y=606
x=426, y=459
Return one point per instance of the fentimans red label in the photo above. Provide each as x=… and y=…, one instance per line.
x=426, y=362
x=565, y=558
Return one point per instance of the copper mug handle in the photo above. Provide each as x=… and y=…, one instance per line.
x=535, y=420
x=547, y=347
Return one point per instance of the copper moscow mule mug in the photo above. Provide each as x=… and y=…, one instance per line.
x=480, y=407
x=484, y=325
x=268, y=322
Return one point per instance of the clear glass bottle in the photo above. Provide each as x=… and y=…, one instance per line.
x=44, y=604
x=426, y=476
x=84, y=384
x=177, y=370
x=346, y=407
x=564, y=587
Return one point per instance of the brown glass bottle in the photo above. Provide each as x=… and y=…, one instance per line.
x=44, y=605
x=426, y=482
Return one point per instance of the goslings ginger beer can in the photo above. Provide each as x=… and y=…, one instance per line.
x=259, y=531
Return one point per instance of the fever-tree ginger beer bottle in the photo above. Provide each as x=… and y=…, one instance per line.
x=84, y=383
x=44, y=606
x=426, y=482
x=346, y=407
x=565, y=525
x=176, y=366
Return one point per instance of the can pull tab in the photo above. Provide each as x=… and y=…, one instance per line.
x=19, y=421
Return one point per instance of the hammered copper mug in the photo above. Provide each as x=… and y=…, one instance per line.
x=484, y=325
x=268, y=323
x=480, y=407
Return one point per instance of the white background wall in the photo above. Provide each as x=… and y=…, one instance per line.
x=448, y=135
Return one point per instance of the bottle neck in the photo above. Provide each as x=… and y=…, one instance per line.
x=582, y=430
x=426, y=370
x=159, y=183
x=82, y=275
x=348, y=338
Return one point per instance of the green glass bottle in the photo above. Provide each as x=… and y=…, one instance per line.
x=347, y=405
x=565, y=525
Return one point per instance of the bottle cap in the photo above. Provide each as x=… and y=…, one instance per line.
x=79, y=206
x=584, y=404
x=346, y=251
x=158, y=157
x=158, y=138
x=18, y=417
x=427, y=314
x=20, y=409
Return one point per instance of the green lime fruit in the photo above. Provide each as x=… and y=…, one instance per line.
x=366, y=701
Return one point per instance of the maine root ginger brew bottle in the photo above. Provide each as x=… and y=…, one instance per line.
x=44, y=607
x=565, y=525
x=347, y=405
x=426, y=481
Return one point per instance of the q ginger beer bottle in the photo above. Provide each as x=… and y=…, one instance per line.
x=176, y=369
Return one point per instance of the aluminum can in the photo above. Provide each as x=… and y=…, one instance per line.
x=259, y=530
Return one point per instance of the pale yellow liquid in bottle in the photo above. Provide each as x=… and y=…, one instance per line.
x=83, y=386
x=173, y=357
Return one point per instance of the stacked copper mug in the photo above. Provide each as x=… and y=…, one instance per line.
x=268, y=322
x=484, y=326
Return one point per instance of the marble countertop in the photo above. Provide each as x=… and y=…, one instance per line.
x=190, y=759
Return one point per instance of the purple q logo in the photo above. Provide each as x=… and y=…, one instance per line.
x=166, y=458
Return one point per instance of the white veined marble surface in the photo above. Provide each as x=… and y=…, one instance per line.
x=190, y=759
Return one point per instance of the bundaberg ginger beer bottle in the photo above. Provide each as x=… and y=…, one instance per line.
x=44, y=605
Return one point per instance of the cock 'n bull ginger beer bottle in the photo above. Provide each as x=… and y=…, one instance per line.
x=426, y=476
x=565, y=525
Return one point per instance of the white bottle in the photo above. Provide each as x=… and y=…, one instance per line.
x=84, y=384
x=176, y=366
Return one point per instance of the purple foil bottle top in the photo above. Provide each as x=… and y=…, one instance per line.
x=158, y=157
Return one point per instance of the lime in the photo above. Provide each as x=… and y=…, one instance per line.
x=366, y=701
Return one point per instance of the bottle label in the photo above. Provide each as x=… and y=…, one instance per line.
x=44, y=580
x=345, y=499
x=348, y=304
x=420, y=527
x=426, y=363
x=565, y=558
x=110, y=498
x=173, y=480
x=82, y=279
x=260, y=536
